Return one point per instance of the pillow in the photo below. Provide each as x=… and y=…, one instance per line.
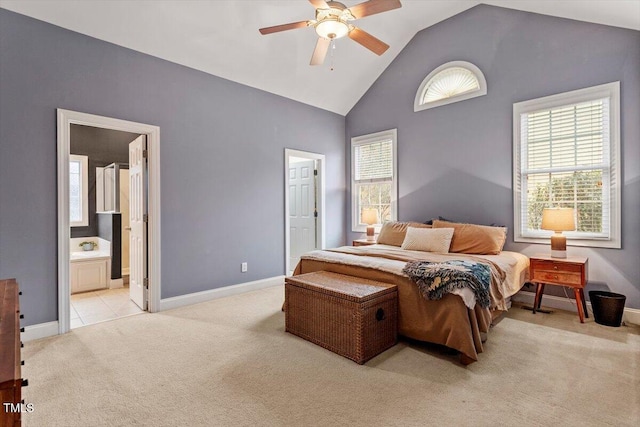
x=392, y=232
x=428, y=239
x=475, y=239
x=430, y=222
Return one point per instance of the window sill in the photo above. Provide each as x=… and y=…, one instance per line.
x=590, y=243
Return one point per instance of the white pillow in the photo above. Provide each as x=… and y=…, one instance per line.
x=435, y=240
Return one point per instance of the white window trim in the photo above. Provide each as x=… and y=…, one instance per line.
x=608, y=90
x=419, y=106
x=392, y=134
x=84, y=171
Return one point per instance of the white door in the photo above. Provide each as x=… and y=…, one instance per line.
x=137, y=214
x=302, y=208
x=124, y=209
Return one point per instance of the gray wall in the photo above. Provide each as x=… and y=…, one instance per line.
x=456, y=160
x=102, y=147
x=222, y=159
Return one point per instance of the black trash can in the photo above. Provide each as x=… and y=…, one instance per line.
x=607, y=307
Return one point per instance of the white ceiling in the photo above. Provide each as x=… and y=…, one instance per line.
x=221, y=37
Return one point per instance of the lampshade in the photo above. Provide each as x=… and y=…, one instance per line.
x=558, y=219
x=370, y=216
x=332, y=28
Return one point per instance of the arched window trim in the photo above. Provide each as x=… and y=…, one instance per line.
x=418, y=106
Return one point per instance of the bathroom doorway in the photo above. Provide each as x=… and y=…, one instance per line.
x=95, y=190
x=99, y=225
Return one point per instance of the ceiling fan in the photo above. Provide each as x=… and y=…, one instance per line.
x=333, y=21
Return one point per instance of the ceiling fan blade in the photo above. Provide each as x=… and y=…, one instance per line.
x=372, y=7
x=319, y=4
x=284, y=27
x=367, y=40
x=322, y=46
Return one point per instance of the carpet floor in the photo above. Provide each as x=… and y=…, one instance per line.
x=228, y=362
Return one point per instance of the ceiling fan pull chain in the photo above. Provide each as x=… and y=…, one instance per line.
x=333, y=47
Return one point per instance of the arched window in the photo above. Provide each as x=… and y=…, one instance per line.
x=451, y=82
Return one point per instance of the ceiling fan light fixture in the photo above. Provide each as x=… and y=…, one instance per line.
x=333, y=21
x=331, y=28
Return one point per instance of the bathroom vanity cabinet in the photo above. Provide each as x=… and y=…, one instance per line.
x=89, y=275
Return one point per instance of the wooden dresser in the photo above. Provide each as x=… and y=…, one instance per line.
x=10, y=376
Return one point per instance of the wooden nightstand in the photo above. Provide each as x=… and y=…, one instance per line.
x=363, y=242
x=571, y=272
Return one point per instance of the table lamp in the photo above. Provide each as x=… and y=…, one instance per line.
x=558, y=220
x=370, y=217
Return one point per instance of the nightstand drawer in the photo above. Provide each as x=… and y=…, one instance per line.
x=563, y=278
x=555, y=266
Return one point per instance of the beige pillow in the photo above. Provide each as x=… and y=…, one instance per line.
x=474, y=239
x=392, y=232
x=428, y=239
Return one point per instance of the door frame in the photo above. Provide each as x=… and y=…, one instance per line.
x=65, y=119
x=321, y=200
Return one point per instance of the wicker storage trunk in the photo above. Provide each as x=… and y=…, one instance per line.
x=351, y=316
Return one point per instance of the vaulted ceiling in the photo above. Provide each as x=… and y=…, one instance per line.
x=221, y=37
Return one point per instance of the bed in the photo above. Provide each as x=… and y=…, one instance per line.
x=456, y=320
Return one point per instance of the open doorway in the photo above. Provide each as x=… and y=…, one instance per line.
x=304, y=205
x=100, y=230
x=108, y=218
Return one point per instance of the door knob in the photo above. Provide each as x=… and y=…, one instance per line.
x=128, y=228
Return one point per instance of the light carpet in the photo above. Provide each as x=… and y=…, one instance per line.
x=228, y=362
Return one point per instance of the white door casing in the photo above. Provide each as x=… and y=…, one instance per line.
x=137, y=212
x=302, y=210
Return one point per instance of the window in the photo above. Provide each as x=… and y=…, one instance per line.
x=373, y=177
x=78, y=189
x=566, y=154
x=451, y=82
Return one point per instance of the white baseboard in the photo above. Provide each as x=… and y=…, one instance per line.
x=197, y=297
x=630, y=315
x=116, y=283
x=41, y=330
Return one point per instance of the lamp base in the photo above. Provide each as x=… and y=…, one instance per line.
x=371, y=237
x=558, y=245
x=558, y=254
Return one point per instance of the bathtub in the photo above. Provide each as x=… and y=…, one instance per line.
x=89, y=270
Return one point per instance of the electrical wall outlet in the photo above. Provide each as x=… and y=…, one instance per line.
x=244, y=267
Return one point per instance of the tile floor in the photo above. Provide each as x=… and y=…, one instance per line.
x=97, y=306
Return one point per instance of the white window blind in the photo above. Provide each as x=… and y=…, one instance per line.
x=374, y=161
x=451, y=82
x=566, y=160
x=373, y=176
